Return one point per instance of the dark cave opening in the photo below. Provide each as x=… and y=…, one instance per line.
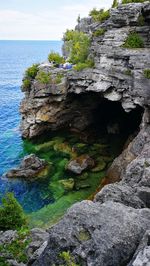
x=112, y=118
x=95, y=116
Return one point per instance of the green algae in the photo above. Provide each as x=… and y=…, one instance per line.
x=52, y=213
x=62, y=186
x=84, y=235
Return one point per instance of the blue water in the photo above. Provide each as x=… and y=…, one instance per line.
x=15, y=57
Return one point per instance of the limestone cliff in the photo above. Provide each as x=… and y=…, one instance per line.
x=105, y=232
x=117, y=76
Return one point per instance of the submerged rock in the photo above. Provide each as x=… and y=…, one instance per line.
x=80, y=164
x=99, y=166
x=68, y=184
x=30, y=167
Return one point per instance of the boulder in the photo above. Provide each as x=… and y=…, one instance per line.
x=119, y=193
x=96, y=234
x=142, y=254
x=8, y=236
x=39, y=239
x=80, y=164
x=30, y=167
x=68, y=184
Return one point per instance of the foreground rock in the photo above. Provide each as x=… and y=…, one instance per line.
x=30, y=167
x=96, y=234
x=37, y=241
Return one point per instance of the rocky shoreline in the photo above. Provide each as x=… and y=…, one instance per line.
x=114, y=228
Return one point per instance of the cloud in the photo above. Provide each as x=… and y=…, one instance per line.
x=44, y=25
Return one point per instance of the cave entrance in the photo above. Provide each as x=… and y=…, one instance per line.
x=98, y=117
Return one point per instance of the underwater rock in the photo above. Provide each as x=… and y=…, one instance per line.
x=30, y=167
x=99, y=166
x=81, y=184
x=80, y=164
x=68, y=184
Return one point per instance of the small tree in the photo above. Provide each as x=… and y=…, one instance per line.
x=11, y=213
x=77, y=44
x=115, y=4
x=31, y=72
x=55, y=57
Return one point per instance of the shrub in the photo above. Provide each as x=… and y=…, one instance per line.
x=99, y=15
x=128, y=72
x=141, y=20
x=55, y=57
x=77, y=45
x=58, y=78
x=31, y=72
x=26, y=84
x=115, y=4
x=44, y=77
x=17, y=248
x=99, y=32
x=68, y=258
x=133, y=41
x=3, y=262
x=86, y=64
x=132, y=1
x=147, y=73
x=11, y=213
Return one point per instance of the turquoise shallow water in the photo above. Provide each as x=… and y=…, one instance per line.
x=15, y=57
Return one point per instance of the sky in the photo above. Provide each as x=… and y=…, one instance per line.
x=42, y=19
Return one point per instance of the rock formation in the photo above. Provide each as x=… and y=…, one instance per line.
x=107, y=231
x=30, y=167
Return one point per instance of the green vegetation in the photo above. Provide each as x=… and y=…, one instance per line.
x=77, y=44
x=133, y=41
x=64, y=187
x=128, y=72
x=99, y=32
x=3, y=262
x=15, y=249
x=31, y=72
x=58, y=78
x=68, y=259
x=11, y=213
x=44, y=77
x=147, y=73
x=99, y=15
x=115, y=4
x=26, y=84
x=87, y=64
x=132, y=1
x=55, y=58
x=141, y=20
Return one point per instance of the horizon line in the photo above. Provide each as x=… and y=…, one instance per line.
x=31, y=40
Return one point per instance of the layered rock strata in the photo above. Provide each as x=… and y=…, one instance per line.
x=118, y=75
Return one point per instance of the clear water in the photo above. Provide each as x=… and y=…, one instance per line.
x=15, y=57
x=44, y=199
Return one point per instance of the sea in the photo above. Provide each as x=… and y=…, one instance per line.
x=15, y=57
